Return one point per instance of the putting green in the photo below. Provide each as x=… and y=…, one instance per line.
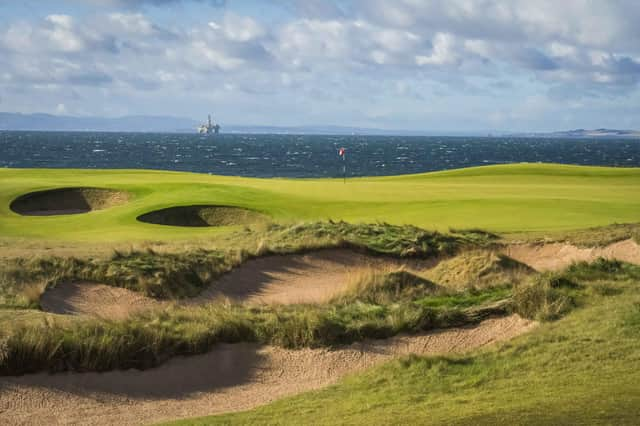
x=517, y=197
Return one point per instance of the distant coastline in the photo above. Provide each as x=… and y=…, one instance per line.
x=583, y=133
x=169, y=124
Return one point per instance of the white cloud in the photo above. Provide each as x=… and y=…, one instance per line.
x=329, y=53
x=132, y=23
x=443, y=51
x=241, y=28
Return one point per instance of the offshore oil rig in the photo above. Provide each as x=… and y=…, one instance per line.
x=209, y=128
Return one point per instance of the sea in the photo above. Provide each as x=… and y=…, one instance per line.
x=300, y=156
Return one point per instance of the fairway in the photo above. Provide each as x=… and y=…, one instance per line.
x=505, y=198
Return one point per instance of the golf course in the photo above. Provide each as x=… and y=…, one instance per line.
x=509, y=198
x=496, y=294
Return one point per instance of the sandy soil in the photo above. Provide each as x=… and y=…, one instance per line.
x=304, y=278
x=229, y=378
x=63, y=201
x=99, y=300
x=556, y=256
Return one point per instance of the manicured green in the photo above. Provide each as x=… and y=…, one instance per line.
x=520, y=197
x=581, y=369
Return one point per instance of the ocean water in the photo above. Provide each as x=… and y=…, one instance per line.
x=300, y=155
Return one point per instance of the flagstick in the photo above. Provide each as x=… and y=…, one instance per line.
x=344, y=169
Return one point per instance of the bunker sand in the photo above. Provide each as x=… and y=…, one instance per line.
x=232, y=377
x=63, y=201
x=557, y=256
x=303, y=278
x=98, y=300
x=315, y=277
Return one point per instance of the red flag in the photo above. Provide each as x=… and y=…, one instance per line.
x=341, y=152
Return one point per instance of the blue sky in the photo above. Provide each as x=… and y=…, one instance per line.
x=434, y=65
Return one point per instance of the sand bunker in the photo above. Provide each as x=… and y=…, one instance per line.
x=229, y=378
x=202, y=215
x=321, y=275
x=303, y=278
x=98, y=300
x=557, y=256
x=67, y=201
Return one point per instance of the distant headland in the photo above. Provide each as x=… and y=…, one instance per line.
x=171, y=124
x=584, y=133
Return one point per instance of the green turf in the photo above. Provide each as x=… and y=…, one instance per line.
x=582, y=369
x=521, y=197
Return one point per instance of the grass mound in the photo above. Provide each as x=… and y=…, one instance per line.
x=67, y=201
x=158, y=275
x=376, y=305
x=478, y=269
x=377, y=238
x=176, y=275
x=546, y=297
x=604, y=269
x=150, y=338
x=373, y=286
x=586, y=238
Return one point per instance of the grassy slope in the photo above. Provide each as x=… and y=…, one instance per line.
x=523, y=197
x=582, y=369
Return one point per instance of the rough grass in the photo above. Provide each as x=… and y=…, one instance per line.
x=149, y=339
x=478, y=269
x=590, y=237
x=377, y=305
x=545, y=297
x=164, y=276
x=580, y=369
x=376, y=238
x=181, y=274
x=386, y=286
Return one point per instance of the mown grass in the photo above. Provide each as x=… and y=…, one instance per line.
x=579, y=369
x=517, y=197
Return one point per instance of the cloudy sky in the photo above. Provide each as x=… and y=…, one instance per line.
x=404, y=64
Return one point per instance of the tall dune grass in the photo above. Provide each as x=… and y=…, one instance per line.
x=176, y=275
x=150, y=338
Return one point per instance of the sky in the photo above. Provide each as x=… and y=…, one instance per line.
x=430, y=65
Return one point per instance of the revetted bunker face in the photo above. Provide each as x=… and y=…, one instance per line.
x=202, y=215
x=64, y=201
